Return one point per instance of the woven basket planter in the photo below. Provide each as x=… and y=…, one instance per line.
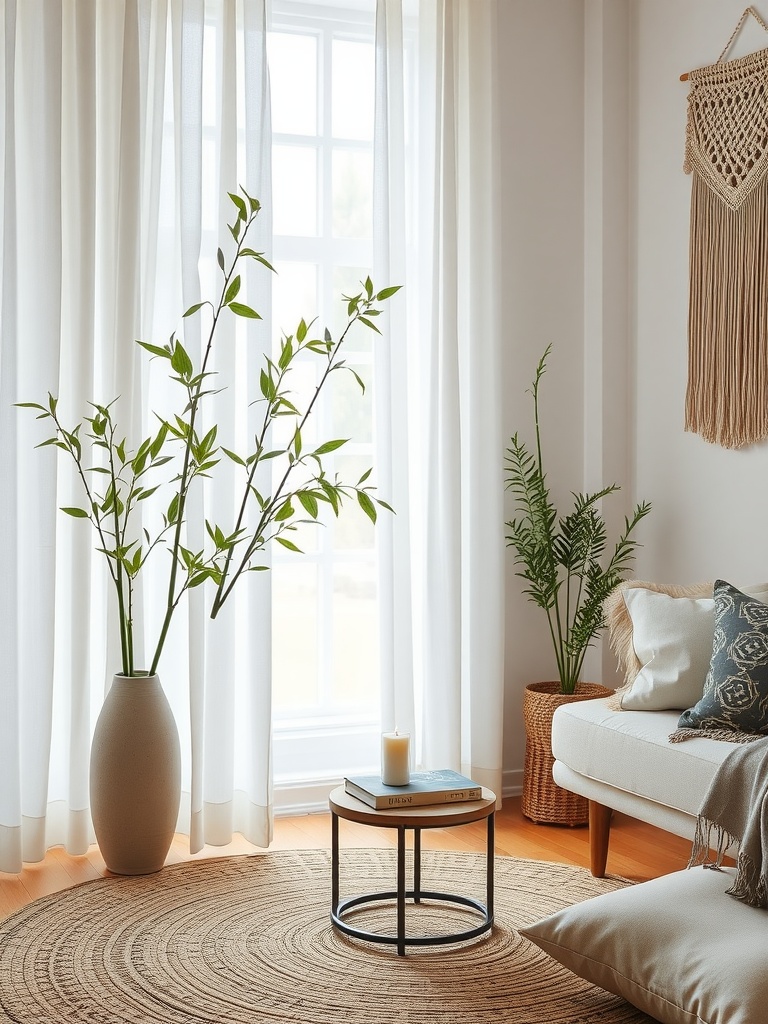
x=543, y=801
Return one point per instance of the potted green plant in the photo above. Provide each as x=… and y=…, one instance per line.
x=568, y=571
x=135, y=758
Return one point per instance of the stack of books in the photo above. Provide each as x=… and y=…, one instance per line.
x=442, y=786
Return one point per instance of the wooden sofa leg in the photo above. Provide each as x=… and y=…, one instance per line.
x=599, y=835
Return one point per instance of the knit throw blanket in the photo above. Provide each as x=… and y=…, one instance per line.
x=726, y=152
x=735, y=809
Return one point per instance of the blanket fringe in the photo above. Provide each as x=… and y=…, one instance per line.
x=749, y=886
x=702, y=844
x=727, y=735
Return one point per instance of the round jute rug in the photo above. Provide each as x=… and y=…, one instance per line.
x=248, y=940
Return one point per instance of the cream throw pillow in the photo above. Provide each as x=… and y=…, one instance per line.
x=676, y=947
x=672, y=639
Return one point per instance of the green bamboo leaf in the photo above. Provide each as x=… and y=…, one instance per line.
x=385, y=293
x=199, y=578
x=31, y=405
x=239, y=204
x=233, y=456
x=173, y=509
x=180, y=361
x=369, y=287
x=367, y=322
x=259, y=257
x=155, y=349
x=232, y=291
x=284, y=512
x=330, y=446
x=309, y=501
x=286, y=354
x=220, y=259
x=365, y=476
x=254, y=204
x=76, y=513
x=207, y=443
x=242, y=310
x=297, y=443
x=288, y=544
x=367, y=505
x=194, y=309
x=159, y=441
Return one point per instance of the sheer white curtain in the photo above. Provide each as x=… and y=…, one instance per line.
x=437, y=203
x=123, y=126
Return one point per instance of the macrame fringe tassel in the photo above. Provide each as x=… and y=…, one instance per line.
x=727, y=396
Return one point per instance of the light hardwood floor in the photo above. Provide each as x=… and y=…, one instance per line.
x=638, y=851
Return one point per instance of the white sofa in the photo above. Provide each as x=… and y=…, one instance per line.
x=623, y=761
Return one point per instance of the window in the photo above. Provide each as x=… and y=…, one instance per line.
x=326, y=688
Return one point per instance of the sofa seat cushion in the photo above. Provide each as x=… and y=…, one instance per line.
x=630, y=750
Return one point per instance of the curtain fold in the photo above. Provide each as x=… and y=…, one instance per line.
x=114, y=162
x=437, y=192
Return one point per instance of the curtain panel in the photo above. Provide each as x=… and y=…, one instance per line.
x=125, y=122
x=437, y=201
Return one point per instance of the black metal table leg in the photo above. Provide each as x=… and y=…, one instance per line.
x=401, y=890
x=334, y=864
x=489, y=865
x=417, y=865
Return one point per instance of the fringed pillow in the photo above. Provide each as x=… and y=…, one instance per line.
x=661, y=634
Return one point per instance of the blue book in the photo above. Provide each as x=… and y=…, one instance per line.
x=441, y=786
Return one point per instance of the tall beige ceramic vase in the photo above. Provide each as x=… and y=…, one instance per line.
x=135, y=776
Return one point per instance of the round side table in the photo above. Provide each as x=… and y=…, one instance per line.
x=343, y=805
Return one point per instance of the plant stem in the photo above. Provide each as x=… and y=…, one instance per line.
x=224, y=589
x=185, y=479
x=125, y=633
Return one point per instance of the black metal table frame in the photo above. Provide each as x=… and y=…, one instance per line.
x=340, y=907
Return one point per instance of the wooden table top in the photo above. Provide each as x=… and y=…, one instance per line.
x=426, y=816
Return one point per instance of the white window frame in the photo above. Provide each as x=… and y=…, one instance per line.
x=314, y=749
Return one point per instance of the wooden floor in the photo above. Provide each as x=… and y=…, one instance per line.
x=638, y=851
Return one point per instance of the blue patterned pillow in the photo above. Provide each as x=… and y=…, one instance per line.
x=735, y=695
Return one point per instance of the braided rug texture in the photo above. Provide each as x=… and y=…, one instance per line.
x=248, y=939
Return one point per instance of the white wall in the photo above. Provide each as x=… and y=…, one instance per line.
x=542, y=157
x=595, y=236
x=709, y=502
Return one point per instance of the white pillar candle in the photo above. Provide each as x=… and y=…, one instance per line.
x=395, y=758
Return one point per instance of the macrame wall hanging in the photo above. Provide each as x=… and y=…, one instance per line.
x=726, y=152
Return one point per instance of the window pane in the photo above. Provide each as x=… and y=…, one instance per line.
x=294, y=190
x=355, y=675
x=293, y=82
x=294, y=295
x=352, y=410
x=352, y=193
x=294, y=665
x=352, y=90
x=354, y=530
